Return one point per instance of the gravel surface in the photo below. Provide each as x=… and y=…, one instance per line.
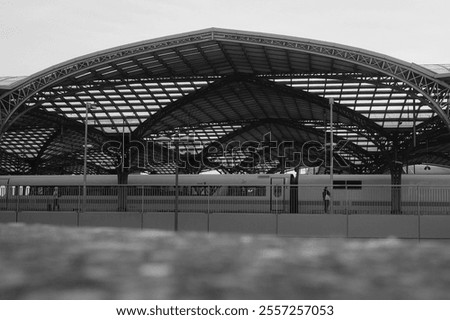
x=46, y=262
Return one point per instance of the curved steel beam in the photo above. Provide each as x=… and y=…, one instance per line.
x=361, y=121
x=141, y=130
x=423, y=81
x=357, y=151
x=375, y=133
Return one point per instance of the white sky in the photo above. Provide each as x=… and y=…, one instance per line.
x=36, y=34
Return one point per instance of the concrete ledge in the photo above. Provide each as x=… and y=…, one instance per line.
x=111, y=219
x=435, y=227
x=193, y=222
x=7, y=216
x=312, y=225
x=382, y=226
x=301, y=225
x=60, y=218
x=158, y=220
x=253, y=223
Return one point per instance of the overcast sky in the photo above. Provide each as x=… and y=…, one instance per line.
x=36, y=34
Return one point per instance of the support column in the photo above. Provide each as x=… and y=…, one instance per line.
x=122, y=192
x=293, y=196
x=396, y=190
x=123, y=171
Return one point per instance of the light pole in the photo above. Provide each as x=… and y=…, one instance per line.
x=86, y=117
x=176, y=141
x=177, y=173
x=331, y=101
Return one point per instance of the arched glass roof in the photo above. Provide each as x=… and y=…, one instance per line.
x=251, y=102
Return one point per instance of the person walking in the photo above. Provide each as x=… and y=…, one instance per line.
x=326, y=199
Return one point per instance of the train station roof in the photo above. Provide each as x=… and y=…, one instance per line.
x=248, y=102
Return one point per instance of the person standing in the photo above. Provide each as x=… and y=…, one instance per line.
x=55, y=199
x=326, y=199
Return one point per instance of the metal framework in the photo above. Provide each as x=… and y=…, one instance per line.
x=223, y=86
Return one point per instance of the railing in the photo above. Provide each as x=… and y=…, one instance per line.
x=375, y=199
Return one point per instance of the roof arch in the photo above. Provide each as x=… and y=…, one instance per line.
x=141, y=86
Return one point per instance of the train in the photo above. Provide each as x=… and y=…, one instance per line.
x=211, y=193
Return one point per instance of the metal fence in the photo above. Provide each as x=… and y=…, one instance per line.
x=375, y=199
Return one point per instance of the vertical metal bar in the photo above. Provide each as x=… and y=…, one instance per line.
x=331, y=100
x=346, y=200
x=276, y=221
x=209, y=199
x=325, y=140
x=142, y=199
x=123, y=144
x=414, y=124
x=177, y=149
x=418, y=212
x=208, y=212
x=17, y=199
x=418, y=199
x=78, y=206
x=79, y=199
x=142, y=207
x=85, y=156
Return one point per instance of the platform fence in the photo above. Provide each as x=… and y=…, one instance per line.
x=304, y=199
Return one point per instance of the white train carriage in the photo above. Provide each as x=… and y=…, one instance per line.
x=149, y=193
x=266, y=193
x=212, y=193
x=374, y=194
x=429, y=194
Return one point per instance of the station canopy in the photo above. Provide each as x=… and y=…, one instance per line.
x=225, y=100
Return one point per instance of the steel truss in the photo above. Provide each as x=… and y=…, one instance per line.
x=83, y=75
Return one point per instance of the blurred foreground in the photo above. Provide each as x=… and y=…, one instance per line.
x=46, y=262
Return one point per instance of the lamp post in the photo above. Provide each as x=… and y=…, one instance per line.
x=86, y=117
x=331, y=101
x=177, y=173
x=176, y=142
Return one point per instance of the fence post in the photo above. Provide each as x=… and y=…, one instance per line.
x=78, y=207
x=418, y=200
x=17, y=208
x=418, y=212
x=346, y=211
x=17, y=199
x=78, y=199
x=208, y=208
x=142, y=207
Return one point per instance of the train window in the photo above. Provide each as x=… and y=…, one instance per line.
x=339, y=184
x=71, y=191
x=3, y=186
x=159, y=190
x=152, y=190
x=354, y=184
x=213, y=190
x=184, y=191
x=21, y=190
x=347, y=184
x=246, y=191
x=200, y=191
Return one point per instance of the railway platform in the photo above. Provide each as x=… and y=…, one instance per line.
x=50, y=262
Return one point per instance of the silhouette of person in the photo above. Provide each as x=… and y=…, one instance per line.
x=326, y=199
x=55, y=199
